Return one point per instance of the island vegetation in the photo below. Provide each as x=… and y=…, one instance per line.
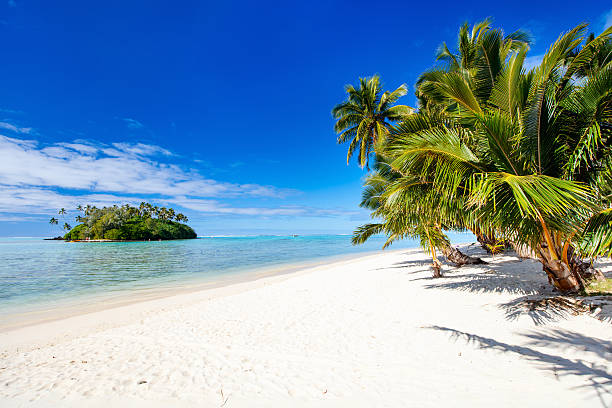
x=520, y=156
x=127, y=223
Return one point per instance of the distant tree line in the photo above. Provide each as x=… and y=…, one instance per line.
x=127, y=222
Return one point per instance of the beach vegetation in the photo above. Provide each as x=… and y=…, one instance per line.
x=366, y=116
x=119, y=223
x=515, y=155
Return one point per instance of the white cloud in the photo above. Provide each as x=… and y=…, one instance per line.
x=133, y=123
x=16, y=129
x=37, y=179
x=38, y=200
x=142, y=149
x=120, y=168
x=44, y=201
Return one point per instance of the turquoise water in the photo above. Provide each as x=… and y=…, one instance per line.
x=34, y=271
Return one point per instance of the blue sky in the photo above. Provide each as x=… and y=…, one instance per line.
x=219, y=109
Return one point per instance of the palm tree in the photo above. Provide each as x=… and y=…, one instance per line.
x=528, y=160
x=482, y=52
x=67, y=226
x=171, y=214
x=409, y=207
x=53, y=221
x=366, y=116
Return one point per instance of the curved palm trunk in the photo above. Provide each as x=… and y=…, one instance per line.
x=555, y=264
x=458, y=258
x=559, y=273
x=436, y=266
x=567, y=273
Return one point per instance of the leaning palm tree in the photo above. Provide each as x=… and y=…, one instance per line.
x=480, y=57
x=409, y=208
x=528, y=159
x=367, y=115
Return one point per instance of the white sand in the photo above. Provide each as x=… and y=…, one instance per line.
x=376, y=331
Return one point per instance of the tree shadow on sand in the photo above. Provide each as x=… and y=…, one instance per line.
x=598, y=377
x=494, y=277
x=538, y=300
x=543, y=309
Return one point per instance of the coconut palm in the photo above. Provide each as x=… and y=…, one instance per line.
x=482, y=52
x=528, y=159
x=410, y=208
x=367, y=115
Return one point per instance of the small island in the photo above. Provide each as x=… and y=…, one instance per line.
x=126, y=223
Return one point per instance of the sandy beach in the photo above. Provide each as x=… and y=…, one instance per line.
x=374, y=331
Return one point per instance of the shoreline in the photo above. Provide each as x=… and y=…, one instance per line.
x=366, y=331
x=233, y=282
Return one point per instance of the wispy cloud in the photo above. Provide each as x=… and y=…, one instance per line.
x=16, y=129
x=119, y=168
x=17, y=200
x=11, y=111
x=12, y=3
x=133, y=123
x=38, y=179
x=216, y=207
x=141, y=149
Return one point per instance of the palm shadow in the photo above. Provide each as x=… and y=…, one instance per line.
x=544, y=309
x=597, y=377
x=494, y=277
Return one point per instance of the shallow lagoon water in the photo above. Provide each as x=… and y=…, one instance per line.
x=37, y=272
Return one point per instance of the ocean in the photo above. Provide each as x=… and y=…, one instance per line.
x=38, y=274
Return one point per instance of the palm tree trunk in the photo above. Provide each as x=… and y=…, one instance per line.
x=436, y=266
x=570, y=273
x=458, y=258
x=559, y=273
x=585, y=270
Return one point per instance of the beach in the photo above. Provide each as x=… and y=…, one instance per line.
x=374, y=330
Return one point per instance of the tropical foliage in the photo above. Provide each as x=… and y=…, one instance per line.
x=366, y=116
x=146, y=222
x=520, y=155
